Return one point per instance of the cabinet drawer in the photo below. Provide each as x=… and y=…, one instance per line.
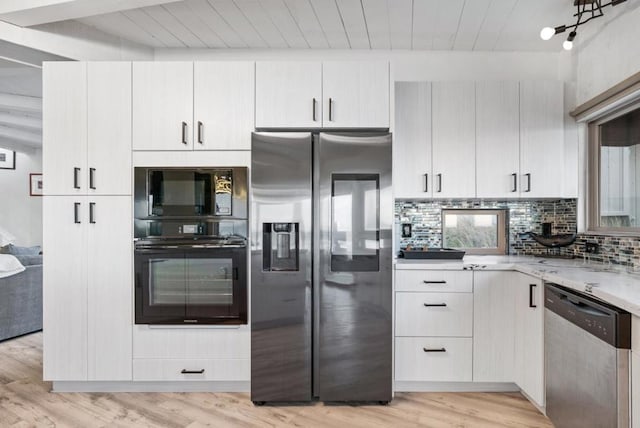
x=218, y=370
x=448, y=281
x=450, y=359
x=191, y=343
x=451, y=314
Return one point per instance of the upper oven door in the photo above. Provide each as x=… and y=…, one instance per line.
x=191, y=285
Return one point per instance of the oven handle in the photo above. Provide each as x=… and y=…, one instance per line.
x=177, y=247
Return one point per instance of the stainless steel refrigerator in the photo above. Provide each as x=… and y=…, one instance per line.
x=321, y=268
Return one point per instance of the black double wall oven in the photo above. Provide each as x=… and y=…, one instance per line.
x=191, y=245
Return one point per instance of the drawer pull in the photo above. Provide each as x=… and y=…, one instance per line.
x=434, y=349
x=440, y=305
x=185, y=371
x=435, y=282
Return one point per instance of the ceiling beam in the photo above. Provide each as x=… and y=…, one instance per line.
x=20, y=103
x=26, y=13
x=76, y=41
x=24, y=137
x=24, y=55
x=21, y=121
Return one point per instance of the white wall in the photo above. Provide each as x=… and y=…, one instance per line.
x=610, y=54
x=20, y=213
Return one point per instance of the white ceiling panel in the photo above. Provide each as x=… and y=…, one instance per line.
x=461, y=25
x=237, y=20
x=173, y=25
x=194, y=24
x=228, y=34
x=262, y=22
x=400, y=24
x=354, y=23
x=279, y=13
x=377, y=18
x=307, y=20
x=331, y=23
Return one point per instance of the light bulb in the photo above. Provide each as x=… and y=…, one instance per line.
x=547, y=33
x=567, y=45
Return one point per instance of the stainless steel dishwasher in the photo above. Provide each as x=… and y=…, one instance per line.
x=587, y=346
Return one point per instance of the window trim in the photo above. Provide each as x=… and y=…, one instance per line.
x=501, y=214
x=594, y=178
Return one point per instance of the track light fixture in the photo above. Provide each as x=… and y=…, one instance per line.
x=586, y=11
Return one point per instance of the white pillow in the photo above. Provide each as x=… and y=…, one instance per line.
x=9, y=265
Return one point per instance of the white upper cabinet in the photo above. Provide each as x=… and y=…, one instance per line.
x=162, y=105
x=109, y=128
x=223, y=101
x=355, y=94
x=541, y=139
x=288, y=94
x=412, y=175
x=87, y=128
x=497, y=139
x=314, y=95
x=454, y=134
x=64, y=137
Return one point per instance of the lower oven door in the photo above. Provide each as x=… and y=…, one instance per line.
x=187, y=285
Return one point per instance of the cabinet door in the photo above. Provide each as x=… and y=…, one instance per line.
x=530, y=337
x=541, y=139
x=109, y=128
x=162, y=105
x=497, y=139
x=288, y=95
x=65, y=288
x=412, y=176
x=494, y=298
x=223, y=105
x=355, y=94
x=635, y=389
x=110, y=287
x=64, y=137
x=454, y=131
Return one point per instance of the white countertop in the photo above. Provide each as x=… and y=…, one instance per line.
x=612, y=283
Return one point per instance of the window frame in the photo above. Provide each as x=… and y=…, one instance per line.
x=594, y=174
x=502, y=218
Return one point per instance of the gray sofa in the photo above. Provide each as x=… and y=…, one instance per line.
x=21, y=299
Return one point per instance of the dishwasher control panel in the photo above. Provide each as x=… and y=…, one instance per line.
x=606, y=322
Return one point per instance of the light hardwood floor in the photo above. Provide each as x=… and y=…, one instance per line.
x=25, y=401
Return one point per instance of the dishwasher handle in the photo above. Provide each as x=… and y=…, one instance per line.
x=584, y=308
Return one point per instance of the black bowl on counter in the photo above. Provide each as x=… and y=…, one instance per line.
x=432, y=254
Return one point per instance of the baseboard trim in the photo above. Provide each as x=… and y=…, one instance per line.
x=168, y=386
x=407, y=386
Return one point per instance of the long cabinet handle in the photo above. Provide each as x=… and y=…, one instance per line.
x=435, y=305
x=528, y=182
x=184, y=133
x=330, y=109
x=515, y=182
x=531, y=304
x=76, y=212
x=439, y=183
x=426, y=182
x=185, y=371
x=434, y=349
x=92, y=174
x=200, y=132
x=76, y=178
x=92, y=207
x=313, y=109
x=441, y=281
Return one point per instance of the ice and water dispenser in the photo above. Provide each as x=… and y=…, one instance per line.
x=281, y=245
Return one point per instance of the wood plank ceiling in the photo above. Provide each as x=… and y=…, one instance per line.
x=462, y=25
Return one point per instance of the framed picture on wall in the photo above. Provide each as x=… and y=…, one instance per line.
x=7, y=159
x=35, y=184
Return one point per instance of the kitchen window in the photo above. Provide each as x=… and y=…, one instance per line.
x=476, y=231
x=614, y=179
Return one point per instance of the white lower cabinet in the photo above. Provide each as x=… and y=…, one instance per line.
x=434, y=359
x=635, y=372
x=190, y=370
x=434, y=314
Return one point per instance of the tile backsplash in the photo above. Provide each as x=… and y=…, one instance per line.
x=523, y=216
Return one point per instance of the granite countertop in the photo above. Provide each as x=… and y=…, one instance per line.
x=615, y=284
